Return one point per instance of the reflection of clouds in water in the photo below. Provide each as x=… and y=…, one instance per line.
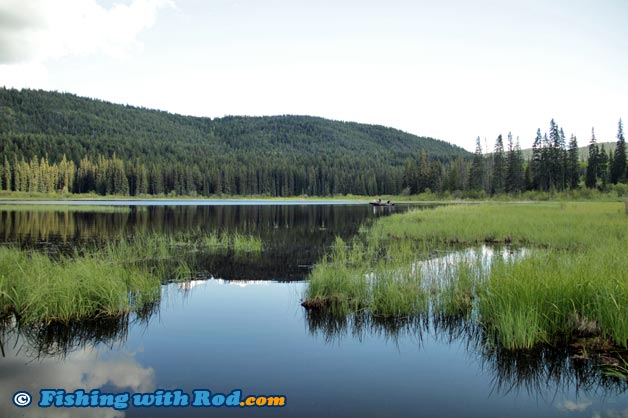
x=574, y=406
x=190, y=284
x=80, y=370
x=611, y=413
x=439, y=269
x=581, y=406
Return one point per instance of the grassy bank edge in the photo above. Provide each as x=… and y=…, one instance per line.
x=572, y=284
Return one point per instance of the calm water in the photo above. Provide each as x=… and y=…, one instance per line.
x=245, y=330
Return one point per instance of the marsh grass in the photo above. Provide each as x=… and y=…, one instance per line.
x=557, y=295
x=121, y=277
x=39, y=289
x=573, y=226
x=572, y=283
x=397, y=293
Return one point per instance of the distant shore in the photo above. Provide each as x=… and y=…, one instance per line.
x=26, y=198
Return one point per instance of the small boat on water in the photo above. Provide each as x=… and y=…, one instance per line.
x=384, y=204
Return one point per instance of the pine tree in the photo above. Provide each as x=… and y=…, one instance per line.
x=618, y=163
x=423, y=175
x=514, y=167
x=476, y=176
x=535, y=163
x=602, y=168
x=592, y=170
x=573, y=175
x=562, y=160
x=488, y=170
x=436, y=176
x=499, y=167
x=556, y=157
x=409, y=176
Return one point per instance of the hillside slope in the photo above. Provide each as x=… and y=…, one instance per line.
x=277, y=155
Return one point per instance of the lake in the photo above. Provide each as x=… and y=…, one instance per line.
x=238, y=324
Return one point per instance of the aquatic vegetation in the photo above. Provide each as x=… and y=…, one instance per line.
x=572, y=283
x=397, y=293
x=39, y=289
x=121, y=277
x=554, y=294
x=237, y=242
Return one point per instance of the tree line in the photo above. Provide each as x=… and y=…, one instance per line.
x=554, y=166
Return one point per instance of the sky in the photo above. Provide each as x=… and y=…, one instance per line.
x=453, y=69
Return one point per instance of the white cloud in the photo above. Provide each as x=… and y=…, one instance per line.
x=33, y=32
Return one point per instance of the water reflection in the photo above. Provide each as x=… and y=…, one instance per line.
x=293, y=236
x=86, y=367
x=531, y=371
x=61, y=339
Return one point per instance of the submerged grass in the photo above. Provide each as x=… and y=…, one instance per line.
x=121, y=277
x=572, y=283
x=237, y=242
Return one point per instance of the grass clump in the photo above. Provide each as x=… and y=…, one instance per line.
x=41, y=290
x=340, y=283
x=554, y=296
x=457, y=292
x=236, y=242
x=397, y=293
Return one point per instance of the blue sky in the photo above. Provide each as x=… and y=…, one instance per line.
x=453, y=70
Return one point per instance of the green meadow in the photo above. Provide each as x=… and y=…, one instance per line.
x=566, y=277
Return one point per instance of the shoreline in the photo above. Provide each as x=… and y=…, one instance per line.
x=178, y=202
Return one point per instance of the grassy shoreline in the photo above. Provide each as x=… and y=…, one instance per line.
x=118, y=279
x=572, y=282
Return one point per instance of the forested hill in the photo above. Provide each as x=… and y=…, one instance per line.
x=128, y=150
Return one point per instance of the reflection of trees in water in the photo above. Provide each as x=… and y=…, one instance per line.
x=264, y=220
x=60, y=339
x=532, y=371
x=293, y=236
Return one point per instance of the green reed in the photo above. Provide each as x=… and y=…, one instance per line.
x=121, y=277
